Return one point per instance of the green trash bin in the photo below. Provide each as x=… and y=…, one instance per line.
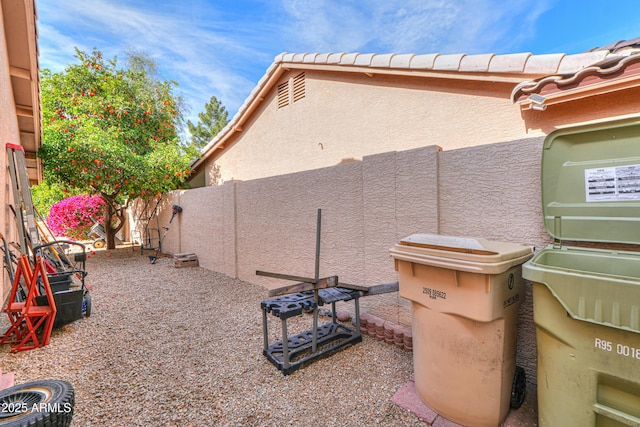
x=586, y=285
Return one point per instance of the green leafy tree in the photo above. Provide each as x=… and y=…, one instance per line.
x=46, y=194
x=111, y=130
x=212, y=121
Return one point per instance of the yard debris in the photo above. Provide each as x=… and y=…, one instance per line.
x=186, y=259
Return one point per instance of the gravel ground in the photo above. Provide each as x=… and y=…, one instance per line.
x=169, y=346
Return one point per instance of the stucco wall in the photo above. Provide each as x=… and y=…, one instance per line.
x=493, y=191
x=489, y=191
x=351, y=115
x=9, y=132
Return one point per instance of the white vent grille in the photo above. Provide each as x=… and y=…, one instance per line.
x=283, y=94
x=298, y=87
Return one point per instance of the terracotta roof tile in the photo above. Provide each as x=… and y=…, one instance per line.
x=382, y=61
x=299, y=57
x=448, y=62
x=525, y=63
x=519, y=62
x=573, y=63
x=476, y=63
x=322, y=58
x=619, y=45
x=363, y=59
x=423, y=62
x=601, y=65
x=611, y=67
x=311, y=58
x=335, y=58
x=349, y=58
x=401, y=61
x=263, y=80
x=543, y=64
x=287, y=57
x=512, y=63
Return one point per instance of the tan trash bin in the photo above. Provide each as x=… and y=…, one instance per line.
x=465, y=296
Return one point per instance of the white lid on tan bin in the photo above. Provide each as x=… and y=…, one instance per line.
x=461, y=253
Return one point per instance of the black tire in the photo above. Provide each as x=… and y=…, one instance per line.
x=37, y=404
x=87, y=304
x=519, y=388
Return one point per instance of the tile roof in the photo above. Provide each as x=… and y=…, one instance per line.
x=525, y=63
x=509, y=67
x=611, y=62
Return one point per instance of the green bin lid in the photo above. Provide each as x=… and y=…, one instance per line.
x=591, y=182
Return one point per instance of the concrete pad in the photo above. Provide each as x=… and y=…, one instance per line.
x=407, y=398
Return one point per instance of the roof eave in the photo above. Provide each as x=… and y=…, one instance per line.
x=542, y=100
x=617, y=71
x=22, y=54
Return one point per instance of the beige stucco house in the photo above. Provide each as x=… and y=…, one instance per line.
x=316, y=110
x=20, y=116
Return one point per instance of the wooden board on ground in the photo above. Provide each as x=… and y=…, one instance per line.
x=186, y=259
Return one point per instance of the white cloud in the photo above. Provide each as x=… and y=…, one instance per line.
x=55, y=48
x=195, y=49
x=410, y=26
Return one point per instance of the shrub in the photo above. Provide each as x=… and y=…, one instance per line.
x=73, y=217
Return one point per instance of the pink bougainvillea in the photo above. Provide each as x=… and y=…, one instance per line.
x=73, y=217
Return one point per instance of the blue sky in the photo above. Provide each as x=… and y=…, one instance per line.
x=223, y=47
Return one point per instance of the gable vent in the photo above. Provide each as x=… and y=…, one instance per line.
x=283, y=94
x=298, y=87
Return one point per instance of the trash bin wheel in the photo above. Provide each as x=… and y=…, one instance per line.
x=37, y=403
x=518, y=388
x=99, y=243
x=87, y=304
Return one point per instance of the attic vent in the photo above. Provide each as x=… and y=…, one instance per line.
x=298, y=87
x=283, y=94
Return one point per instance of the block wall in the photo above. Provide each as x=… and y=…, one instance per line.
x=490, y=191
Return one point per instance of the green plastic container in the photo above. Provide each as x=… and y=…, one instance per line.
x=586, y=294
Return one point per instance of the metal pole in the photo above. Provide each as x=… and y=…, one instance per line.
x=314, y=335
x=265, y=330
x=318, y=227
x=285, y=345
x=357, y=306
x=333, y=312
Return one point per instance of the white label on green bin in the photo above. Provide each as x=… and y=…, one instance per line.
x=618, y=348
x=612, y=184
